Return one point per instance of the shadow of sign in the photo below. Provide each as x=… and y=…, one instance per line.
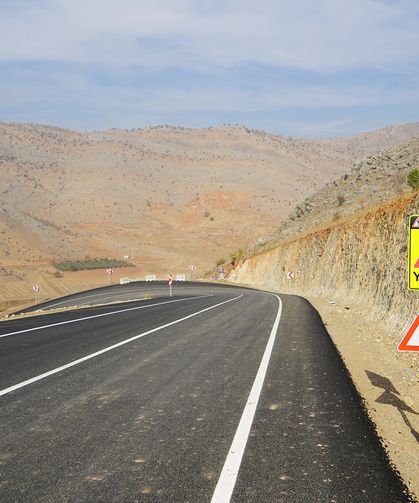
x=390, y=397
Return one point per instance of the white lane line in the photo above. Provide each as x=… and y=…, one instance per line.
x=109, y=348
x=123, y=292
x=77, y=298
x=227, y=481
x=119, y=298
x=100, y=315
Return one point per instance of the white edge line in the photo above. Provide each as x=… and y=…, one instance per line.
x=100, y=315
x=105, y=350
x=227, y=480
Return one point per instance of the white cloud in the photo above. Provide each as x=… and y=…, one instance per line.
x=323, y=35
x=129, y=63
x=40, y=85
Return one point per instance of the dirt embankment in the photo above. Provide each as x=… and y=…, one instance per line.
x=354, y=271
x=16, y=287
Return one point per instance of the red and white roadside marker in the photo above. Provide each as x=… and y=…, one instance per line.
x=410, y=341
x=35, y=289
x=290, y=275
x=193, y=268
x=170, y=283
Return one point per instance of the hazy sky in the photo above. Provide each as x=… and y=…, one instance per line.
x=296, y=67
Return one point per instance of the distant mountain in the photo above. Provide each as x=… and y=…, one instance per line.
x=164, y=196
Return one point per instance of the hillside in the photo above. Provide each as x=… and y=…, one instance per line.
x=164, y=196
x=349, y=239
x=371, y=182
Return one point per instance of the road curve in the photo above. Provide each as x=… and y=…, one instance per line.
x=142, y=401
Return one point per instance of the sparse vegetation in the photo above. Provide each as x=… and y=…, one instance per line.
x=81, y=265
x=413, y=179
x=340, y=200
x=220, y=261
x=236, y=256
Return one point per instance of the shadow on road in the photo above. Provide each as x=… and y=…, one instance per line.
x=390, y=397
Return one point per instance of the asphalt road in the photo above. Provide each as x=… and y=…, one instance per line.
x=199, y=397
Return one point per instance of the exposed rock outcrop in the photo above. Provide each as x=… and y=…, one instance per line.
x=348, y=241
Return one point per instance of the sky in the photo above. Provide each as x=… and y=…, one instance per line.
x=307, y=68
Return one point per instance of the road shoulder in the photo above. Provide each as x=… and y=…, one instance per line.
x=387, y=380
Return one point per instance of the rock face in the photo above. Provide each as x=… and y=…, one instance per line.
x=362, y=260
x=354, y=248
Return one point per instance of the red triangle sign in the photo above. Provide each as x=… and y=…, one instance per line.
x=416, y=266
x=410, y=341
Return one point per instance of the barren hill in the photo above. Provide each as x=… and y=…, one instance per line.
x=165, y=196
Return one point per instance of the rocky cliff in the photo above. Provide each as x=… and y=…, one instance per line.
x=360, y=259
x=348, y=241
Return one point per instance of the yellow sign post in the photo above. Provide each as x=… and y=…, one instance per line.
x=414, y=252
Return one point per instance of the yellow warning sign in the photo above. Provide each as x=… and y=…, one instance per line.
x=414, y=252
